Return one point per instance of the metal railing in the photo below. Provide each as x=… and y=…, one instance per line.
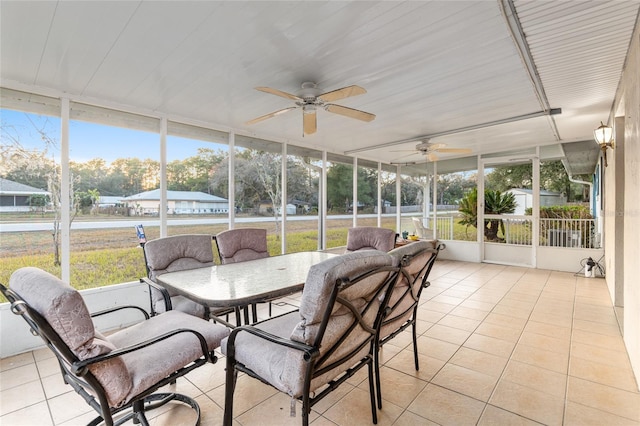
x=518, y=230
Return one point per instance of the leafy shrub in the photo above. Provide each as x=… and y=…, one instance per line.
x=563, y=212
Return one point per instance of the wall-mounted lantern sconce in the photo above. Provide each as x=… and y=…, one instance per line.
x=604, y=137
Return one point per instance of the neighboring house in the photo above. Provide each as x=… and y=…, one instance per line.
x=302, y=207
x=266, y=208
x=15, y=197
x=291, y=209
x=108, y=201
x=524, y=199
x=178, y=202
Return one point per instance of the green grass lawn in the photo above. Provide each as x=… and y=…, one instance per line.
x=111, y=256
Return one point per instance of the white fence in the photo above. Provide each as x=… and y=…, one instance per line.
x=518, y=230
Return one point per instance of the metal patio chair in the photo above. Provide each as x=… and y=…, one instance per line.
x=310, y=352
x=415, y=261
x=118, y=375
x=177, y=253
x=241, y=245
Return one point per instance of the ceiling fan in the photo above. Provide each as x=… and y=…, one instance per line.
x=310, y=98
x=429, y=150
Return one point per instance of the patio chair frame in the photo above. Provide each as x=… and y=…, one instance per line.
x=76, y=373
x=315, y=362
x=414, y=290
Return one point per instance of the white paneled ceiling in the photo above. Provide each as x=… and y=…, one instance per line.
x=429, y=67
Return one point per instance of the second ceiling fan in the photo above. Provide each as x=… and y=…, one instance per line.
x=429, y=149
x=310, y=98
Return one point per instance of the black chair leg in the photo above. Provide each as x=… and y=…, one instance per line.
x=374, y=411
x=139, y=416
x=377, y=375
x=415, y=344
x=254, y=312
x=228, y=393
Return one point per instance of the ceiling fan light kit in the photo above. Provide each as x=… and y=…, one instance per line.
x=309, y=98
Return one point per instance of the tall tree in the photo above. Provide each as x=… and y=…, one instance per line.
x=503, y=178
x=340, y=187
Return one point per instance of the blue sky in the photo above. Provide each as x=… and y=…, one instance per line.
x=89, y=140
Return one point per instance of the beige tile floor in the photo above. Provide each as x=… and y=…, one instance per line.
x=498, y=345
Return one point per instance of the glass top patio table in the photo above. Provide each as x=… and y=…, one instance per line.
x=243, y=283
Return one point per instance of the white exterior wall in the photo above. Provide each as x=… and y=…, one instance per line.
x=627, y=104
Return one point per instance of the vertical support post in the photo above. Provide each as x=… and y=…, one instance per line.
x=480, y=209
x=65, y=193
x=355, y=191
x=232, y=182
x=435, y=203
x=283, y=191
x=398, y=196
x=535, y=210
x=163, y=177
x=322, y=205
x=380, y=196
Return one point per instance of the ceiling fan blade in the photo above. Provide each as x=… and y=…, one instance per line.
x=272, y=114
x=431, y=156
x=350, y=112
x=401, y=157
x=279, y=93
x=309, y=122
x=436, y=146
x=345, y=92
x=455, y=150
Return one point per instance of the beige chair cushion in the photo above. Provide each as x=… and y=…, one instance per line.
x=64, y=309
x=125, y=376
x=240, y=245
x=153, y=363
x=370, y=238
x=283, y=367
x=177, y=253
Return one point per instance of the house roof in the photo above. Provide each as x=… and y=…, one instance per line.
x=154, y=195
x=109, y=199
x=9, y=187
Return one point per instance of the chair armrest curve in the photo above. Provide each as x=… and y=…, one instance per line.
x=310, y=352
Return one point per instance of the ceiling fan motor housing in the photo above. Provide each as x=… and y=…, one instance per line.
x=309, y=92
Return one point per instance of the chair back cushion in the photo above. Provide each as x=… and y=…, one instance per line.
x=370, y=238
x=177, y=253
x=240, y=245
x=339, y=342
x=65, y=311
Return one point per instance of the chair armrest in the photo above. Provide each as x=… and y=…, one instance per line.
x=162, y=290
x=310, y=352
x=120, y=308
x=79, y=367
